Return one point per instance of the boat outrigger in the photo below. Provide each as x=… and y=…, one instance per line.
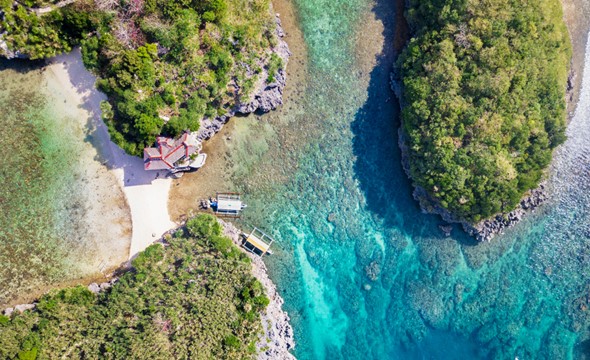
x=227, y=205
x=257, y=242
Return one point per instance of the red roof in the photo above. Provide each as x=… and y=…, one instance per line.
x=167, y=152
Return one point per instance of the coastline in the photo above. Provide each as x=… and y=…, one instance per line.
x=577, y=20
x=63, y=240
x=146, y=194
x=576, y=14
x=266, y=97
x=277, y=338
x=248, y=133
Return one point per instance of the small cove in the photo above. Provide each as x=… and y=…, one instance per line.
x=363, y=272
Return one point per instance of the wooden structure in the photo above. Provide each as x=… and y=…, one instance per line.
x=168, y=152
x=257, y=242
x=228, y=205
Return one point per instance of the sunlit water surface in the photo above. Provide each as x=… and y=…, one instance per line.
x=55, y=196
x=364, y=273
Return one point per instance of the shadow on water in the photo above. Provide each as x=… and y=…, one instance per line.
x=378, y=159
x=378, y=168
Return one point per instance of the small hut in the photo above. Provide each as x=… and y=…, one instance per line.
x=228, y=205
x=257, y=242
x=168, y=152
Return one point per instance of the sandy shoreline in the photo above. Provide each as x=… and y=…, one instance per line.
x=146, y=192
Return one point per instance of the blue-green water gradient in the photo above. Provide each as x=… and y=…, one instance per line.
x=366, y=275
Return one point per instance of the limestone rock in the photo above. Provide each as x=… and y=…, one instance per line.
x=94, y=287
x=23, y=307
x=266, y=96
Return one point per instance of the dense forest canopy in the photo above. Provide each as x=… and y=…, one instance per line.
x=483, y=99
x=163, y=64
x=194, y=298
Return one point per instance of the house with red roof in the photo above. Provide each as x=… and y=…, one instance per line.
x=168, y=152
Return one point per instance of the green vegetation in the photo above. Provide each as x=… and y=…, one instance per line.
x=194, y=298
x=163, y=64
x=484, y=88
x=41, y=36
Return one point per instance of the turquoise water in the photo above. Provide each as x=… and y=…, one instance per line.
x=366, y=275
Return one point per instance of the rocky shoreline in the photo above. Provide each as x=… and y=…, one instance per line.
x=277, y=337
x=266, y=97
x=484, y=230
x=275, y=340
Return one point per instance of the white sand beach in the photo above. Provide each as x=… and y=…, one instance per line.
x=146, y=192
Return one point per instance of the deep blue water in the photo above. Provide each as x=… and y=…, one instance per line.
x=366, y=275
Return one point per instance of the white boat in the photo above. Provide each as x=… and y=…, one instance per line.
x=199, y=161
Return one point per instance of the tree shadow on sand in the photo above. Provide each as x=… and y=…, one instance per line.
x=109, y=154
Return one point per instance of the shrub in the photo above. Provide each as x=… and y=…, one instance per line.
x=151, y=255
x=274, y=65
x=483, y=100
x=204, y=226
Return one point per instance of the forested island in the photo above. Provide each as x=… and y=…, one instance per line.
x=191, y=297
x=164, y=65
x=483, y=101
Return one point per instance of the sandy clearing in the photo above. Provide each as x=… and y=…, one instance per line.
x=146, y=192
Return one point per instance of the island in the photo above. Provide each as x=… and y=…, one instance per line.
x=166, y=67
x=173, y=74
x=191, y=296
x=482, y=89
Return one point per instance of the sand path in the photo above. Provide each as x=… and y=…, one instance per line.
x=146, y=191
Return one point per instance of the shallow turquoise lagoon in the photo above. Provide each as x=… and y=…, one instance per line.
x=364, y=273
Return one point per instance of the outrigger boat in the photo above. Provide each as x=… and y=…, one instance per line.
x=227, y=205
x=198, y=162
x=257, y=242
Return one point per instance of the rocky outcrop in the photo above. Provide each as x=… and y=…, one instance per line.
x=487, y=229
x=8, y=53
x=266, y=96
x=19, y=308
x=277, y=337
x=96, y=288
x=484, y=230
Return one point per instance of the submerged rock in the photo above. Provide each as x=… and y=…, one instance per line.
x=446, y=229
